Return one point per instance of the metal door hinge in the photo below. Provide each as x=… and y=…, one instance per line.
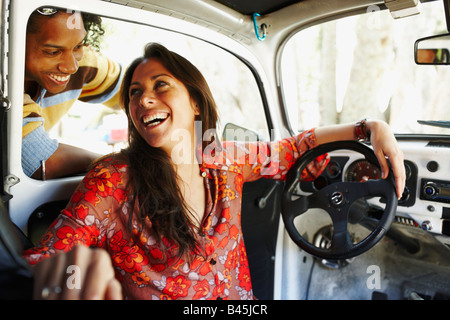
x=5, y=104
x=10, y=180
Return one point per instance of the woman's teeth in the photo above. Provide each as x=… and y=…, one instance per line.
x=155, y=119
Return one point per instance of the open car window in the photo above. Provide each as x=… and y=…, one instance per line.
x=363, y=66
x=103, y=130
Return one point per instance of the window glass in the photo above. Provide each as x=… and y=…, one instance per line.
x=102, y=129
x=363, y=66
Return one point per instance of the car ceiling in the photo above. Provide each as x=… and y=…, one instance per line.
x=249, y=7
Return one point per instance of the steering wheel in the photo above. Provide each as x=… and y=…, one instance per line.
x=336, y=199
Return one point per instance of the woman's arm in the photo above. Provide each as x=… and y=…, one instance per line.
x=383, y=142
x=64, y=265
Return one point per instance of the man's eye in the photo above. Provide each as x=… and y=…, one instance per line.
x=51, y=53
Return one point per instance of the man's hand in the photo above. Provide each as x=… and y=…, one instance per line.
x=80, y=274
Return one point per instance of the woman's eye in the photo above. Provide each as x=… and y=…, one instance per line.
x=134, y=92
x=160, y=84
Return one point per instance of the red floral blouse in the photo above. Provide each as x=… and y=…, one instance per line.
x=97, y=215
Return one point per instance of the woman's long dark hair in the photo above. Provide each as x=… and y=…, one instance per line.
x=153, y=180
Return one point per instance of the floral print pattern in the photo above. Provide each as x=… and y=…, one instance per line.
x=98, y=215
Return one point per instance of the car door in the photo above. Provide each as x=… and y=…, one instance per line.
x=15, y=275
x=260, y=221
x=16, y=278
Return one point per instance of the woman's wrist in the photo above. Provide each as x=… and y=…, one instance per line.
x=362, y=130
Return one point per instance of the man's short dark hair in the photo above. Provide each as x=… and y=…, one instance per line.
x=92, y=24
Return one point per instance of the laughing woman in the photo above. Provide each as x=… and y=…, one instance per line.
x=171, y=229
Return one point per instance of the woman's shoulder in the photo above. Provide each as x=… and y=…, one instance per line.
x=114, y=162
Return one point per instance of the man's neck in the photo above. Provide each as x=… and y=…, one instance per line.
x=33, y=89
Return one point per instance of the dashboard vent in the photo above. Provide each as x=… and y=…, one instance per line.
x=439, y=144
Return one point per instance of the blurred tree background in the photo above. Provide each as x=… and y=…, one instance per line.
x=363, y=66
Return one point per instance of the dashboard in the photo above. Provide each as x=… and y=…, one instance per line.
x=425, y=202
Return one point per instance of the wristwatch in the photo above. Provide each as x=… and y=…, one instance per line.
x=361, y=133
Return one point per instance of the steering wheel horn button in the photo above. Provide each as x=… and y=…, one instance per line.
x=337, y=199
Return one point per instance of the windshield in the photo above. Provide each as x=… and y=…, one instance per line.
x=363, y=66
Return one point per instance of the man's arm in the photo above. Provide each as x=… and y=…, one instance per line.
x=66, y=160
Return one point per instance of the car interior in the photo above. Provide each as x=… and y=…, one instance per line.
x=276, y=68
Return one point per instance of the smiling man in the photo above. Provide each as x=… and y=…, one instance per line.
x=60, y=68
